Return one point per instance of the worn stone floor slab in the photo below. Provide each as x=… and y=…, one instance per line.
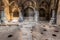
x=30, y=31
x=46, y=32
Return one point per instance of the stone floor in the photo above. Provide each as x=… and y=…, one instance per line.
x=30, y=31
x=46, y=32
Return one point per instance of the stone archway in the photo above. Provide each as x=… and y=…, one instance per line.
x=28, y=13
x=28, y=8
x=44, y=10
x=42, y=14
x=14, y=11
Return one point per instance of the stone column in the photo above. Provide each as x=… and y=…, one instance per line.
x=20, y=17
x=52, y=21
x=58, y=14
x=53, y=8
x=36, y=15
x=3, y=17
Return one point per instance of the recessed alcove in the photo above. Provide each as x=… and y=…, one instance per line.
x=28, y=13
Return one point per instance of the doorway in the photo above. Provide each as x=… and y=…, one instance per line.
x=28, y=13
x=15, y=16
x=43, y=15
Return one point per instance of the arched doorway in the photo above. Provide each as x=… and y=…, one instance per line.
x=28, y=13
x=44, y=10
x=43, y=15
x=28, y=9
x=14, y=12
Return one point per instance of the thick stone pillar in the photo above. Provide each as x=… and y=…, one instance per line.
x=52, y=21
x=58, y=14
x=20, y=17
x=53, y=11
x=36, y=15
x=3, y=17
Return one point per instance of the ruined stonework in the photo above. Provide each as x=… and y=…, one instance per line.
x=37, y=9
x=29, y=20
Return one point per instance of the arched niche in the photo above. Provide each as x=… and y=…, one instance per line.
x=14, y=11
x=28, y=12
x=43, y=15
x=44, y=10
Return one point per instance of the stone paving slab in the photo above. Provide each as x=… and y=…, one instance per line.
x=46, y=32
x=28, y=31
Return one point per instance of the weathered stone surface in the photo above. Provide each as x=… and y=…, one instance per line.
x=46, y=32
x=39, y=31
x=58, y=14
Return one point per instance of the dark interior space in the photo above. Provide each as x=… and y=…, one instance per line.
x=16, y=14
x=28, y=12
x=43, y=15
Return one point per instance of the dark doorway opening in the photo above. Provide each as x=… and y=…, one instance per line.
x=42, y=12
x=16, y=14
x=28, y=12
x=43, y=15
